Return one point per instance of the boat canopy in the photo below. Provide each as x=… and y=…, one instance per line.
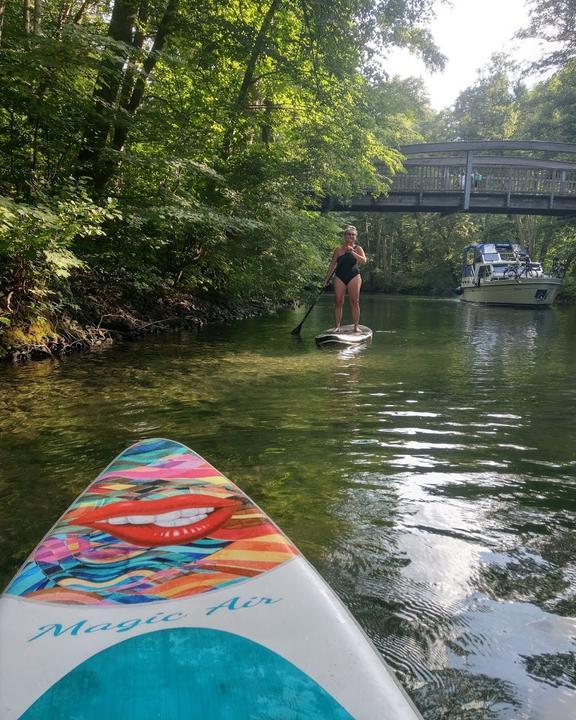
x=493, y=252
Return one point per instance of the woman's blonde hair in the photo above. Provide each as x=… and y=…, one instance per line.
x=349, y=229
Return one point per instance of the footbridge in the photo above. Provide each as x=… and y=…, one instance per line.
x=512, y=177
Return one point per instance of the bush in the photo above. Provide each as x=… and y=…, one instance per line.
x=36, y=251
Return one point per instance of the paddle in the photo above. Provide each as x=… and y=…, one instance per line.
x=297, y=329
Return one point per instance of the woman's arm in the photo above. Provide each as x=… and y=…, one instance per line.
x=359, y=254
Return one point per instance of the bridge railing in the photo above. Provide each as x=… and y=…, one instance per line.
x=440, y=179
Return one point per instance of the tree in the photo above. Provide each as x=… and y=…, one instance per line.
x=487, y=110
x=553, y=21
x=118, y=92
x=549, y=109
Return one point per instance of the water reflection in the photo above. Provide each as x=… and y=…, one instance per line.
x=430, y=477
x=505, y=336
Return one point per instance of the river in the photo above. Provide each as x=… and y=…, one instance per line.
x=430, y=477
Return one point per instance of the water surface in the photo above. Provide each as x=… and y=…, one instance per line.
x=430, y=477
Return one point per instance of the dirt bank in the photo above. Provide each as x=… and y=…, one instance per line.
x=100, y=322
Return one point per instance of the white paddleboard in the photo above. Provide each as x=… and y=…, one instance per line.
x=164, y=592
x=345, y=336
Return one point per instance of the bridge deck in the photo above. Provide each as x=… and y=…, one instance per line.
x=453, y=201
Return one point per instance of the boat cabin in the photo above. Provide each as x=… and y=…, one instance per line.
x=495, y=261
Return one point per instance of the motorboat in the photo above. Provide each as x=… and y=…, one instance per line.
x=503, y=274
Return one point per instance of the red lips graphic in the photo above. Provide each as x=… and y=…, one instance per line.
x=170, y=521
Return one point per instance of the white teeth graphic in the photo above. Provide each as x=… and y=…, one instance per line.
x=174, y=518
x=178, y=522
x=139, y=519
x=174, y=515
x=191, y=512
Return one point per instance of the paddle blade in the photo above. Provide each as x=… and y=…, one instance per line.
x=297, y=329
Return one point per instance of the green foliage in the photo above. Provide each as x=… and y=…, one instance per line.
x=36, y=247
x=552, y=21
x=214, y=132
x=549, y=109
x=487, y=110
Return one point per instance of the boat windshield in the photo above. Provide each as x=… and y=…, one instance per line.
x=498, y=270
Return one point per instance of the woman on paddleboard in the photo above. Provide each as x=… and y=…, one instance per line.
x=345, y=264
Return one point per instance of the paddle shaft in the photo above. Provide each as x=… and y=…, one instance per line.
x=297, y=329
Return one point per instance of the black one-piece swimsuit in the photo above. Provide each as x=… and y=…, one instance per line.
x=347, y=267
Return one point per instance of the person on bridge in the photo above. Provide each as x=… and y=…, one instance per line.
x=345, y=263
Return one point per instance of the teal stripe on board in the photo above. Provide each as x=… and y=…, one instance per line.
x=147, y=452
x=146, y=446
x=191, y=673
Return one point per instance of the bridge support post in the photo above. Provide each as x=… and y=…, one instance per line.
x=467, y=181
x=327, y=205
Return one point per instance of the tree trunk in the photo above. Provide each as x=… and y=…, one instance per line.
x=131, y=102
x=63, y=14
x=90, y=160
x=248, y=78
x=135, y=100
x=526, y=227
x=27, y=10
x=138, y=44
x=2, y=8
x=81, y=10
x=37, y=17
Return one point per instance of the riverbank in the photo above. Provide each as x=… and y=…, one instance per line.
x=99, y=322
x=99, y=317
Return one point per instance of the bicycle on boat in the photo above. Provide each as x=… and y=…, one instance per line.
x=521, y=269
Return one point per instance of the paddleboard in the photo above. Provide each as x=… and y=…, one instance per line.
x=164, y=592
x=345, y=336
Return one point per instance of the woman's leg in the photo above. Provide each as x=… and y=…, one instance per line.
x=339, y=292
x=354, y=297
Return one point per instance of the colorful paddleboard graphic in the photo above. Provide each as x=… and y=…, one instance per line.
x=160, y=522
